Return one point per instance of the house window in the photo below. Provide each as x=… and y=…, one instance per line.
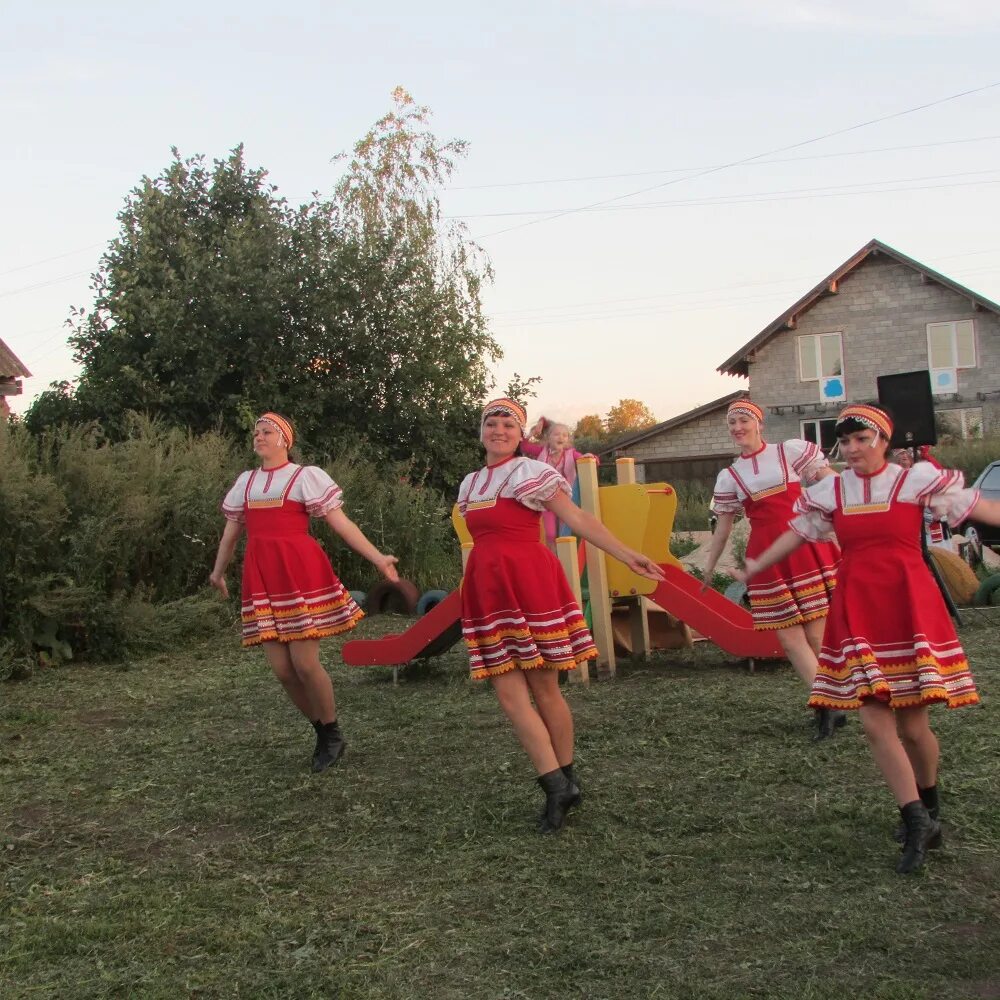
x=950, y=346
x=821, y=359
x=820, y=432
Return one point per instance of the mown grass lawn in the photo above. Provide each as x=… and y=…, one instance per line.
x=162, y=836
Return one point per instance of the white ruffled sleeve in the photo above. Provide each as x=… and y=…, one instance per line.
x=232, y=503
x=318, y=491
x=805, y=458
x=942, y=491
x=534, y=484
x=726, y=497
x=813, y=511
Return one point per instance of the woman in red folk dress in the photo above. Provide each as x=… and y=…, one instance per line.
x=890, y=648
x=520, y=621
x=792, y=598
x=291, y=596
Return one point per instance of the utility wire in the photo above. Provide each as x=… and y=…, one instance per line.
x=750, y=159
x=684, y=170
x=48, y=260
x=749, y=197
x=43, y=284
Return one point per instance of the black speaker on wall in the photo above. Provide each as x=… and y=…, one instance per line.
x=908, y=396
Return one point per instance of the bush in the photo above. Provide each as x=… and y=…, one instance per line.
x=693, y=502
x=105, y=548
x=970, y=456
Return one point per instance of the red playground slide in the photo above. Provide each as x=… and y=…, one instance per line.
x=716, y=617
x=433, y=634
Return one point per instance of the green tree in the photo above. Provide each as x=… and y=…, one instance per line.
x=358, y=316
x=628, y=415
x=589, y=428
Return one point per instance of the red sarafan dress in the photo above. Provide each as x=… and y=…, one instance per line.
x=765, y=486
x=888, y=635
x=517, y=607
x=290, y=590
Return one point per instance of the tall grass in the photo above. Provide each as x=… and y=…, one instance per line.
x=693, y=502
x=105, y=548
x=971, y=456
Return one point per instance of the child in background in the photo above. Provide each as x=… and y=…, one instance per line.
x=555, y=448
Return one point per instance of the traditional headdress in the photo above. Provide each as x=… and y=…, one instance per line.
x=748, y=408
x=280, y=424
x=868, y=416
x=508, y=408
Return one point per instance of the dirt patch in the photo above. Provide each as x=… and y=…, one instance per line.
x=100, y=719
x=29, y=819
x=985, y=989
x=699, y=556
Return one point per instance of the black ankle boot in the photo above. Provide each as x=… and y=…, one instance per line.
x=929, y=797
x=330, y=744
x=828, y=720
x=920, y=831
x=560, y=796
x=824, y=725
x=567, y=769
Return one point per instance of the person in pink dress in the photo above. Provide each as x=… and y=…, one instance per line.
x=520, y=620
x=889, y=649
x=291, y=597
x=555, y=448
x=792, y=598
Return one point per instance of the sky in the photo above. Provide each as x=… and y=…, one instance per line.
x=654, y=181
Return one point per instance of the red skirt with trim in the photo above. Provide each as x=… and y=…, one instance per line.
x=797, y=589
x=889, y=636
x=290, y=592
x=518, y=611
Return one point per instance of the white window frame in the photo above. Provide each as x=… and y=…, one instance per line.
x=815, y=338
x=817, y=421
x=954, y=344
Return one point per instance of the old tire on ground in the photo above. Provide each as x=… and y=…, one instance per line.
x=429, y=600
x=988, y=592
x=388, y=598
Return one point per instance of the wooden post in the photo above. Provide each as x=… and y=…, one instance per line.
x=597, y=574
x=625, y=468
x=567, y=552
x=638, y=618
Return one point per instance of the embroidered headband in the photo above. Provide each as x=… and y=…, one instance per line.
x=748, y=408
x=868, y=416
x=280, y=424
x=507, y=408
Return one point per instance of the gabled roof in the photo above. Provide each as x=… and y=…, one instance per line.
x=10, y=365
x=699, y=411
x=738, y=364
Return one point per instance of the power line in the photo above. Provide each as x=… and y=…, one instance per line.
x=48, y=260
x=789, y=194
x=605, y=310
x=750, y=159
x=684, y=170
x=707, y=291
x=43, y=284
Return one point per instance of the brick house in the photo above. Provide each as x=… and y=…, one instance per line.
x=691, y=446
x=879, y=313
x=11, y=373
